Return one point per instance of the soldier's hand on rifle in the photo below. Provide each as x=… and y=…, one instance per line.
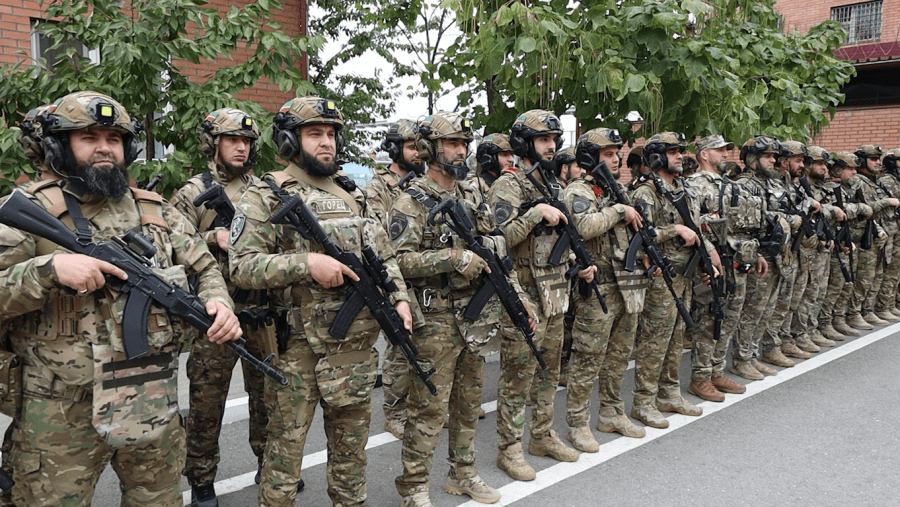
x=405, y=313
x=467, y=263
x=716, y=261
x=633, y=218
x=82, y=273
x=532, y=313
x=816, y=206
x=839, y=214
x=551, y=215
x=656, y=272
x=894, y=201
x=328, y=271
x=762, y=267
x=587, y=274
x=687, y=235
x=225, y=327
x=222, y=240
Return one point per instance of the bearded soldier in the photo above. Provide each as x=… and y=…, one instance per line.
x=530, y=232
x=887, y=295
x=336, y=372
x=85, y=404
x=730, y=211
x=443, y=274
x=229, y=138
x=381, y=191
x=884, y=284
x=602, y=341
x=657, y=355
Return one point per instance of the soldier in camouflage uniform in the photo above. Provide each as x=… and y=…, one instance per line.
x=839, y=292
x=381, y=191
x=444, y=274
x=602, y=341
x=815, y=262
x=887, y=295
x=493, y=156
x=229, y=138
x=861, y=309
x=530, y=233
x=884, y=284
x=66, y=322
x=338, y=374
x=657, y=355
x=727, y=209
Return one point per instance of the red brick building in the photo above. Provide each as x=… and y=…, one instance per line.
x=871, y=111
x=20, y=42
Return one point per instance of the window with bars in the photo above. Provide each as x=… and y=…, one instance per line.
x=862, y=21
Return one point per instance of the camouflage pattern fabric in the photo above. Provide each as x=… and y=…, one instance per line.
x=865, y=289
x=380, y=192
x=337, y=374
x=210, y=366
x=837, y=292
x=887, y=293
x=57, y=336
x=774, y=320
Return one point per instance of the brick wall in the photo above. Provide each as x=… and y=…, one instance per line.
x=852, y=127
x=800, y=15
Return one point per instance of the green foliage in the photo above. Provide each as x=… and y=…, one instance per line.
x=144, y=50
x=732, y=71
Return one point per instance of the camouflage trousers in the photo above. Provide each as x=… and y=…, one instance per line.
x=759, y=303
x=209, y=369
x=887, y=292
x=815, y=271
x=773, y=322
x=6, y=464
x=521, y=377
x=862, y=299
x=458, y=378
x=837, y=292
x=708, y=356
x=592, y=335
x=657, y=356
x=58, y=457
x=395, y=382
x=291, y=411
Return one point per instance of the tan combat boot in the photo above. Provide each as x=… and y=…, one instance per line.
x=678, y=404
x=512, y=461
x=840, y=325
x=887, y=316
x=791, y=350
x=474, y=487
x=582, y=439
x=820, y=340
x=745, y=369
x=765, y=370
x=776, y=357
x=551, y=445
x=829, y=332
x=726, y=385
x=807, y=342
x=418, y=497
x=705, y=389
x=610, y=420
x=649, y=415
x=873, y=319
x=856, y=321
x=895, y=310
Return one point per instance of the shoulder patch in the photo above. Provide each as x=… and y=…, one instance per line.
x=237, y=227
x=399, y=223
x=580, y=204
x=503, y=211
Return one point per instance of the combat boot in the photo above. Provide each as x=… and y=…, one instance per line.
x=726, y=385
x=418, y=497
x=829, y=332
x=840, y=325
x=705, y=390
x=679, y=405
x=204, y=495
x=895, y=310
x=746, y=370
x=610, y=420
x=819, y=339
x=512, y=461
x=765, y=370
x=474, y=487
x=858, y=322
x=807, y=342
x=774, y=356
x=791, y=350
x=649, y=415
x=887, y=316
x=873, y=319
x=481, y=413
x=582, y=439
x=551, y=445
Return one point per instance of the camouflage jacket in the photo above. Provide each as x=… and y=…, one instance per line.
x=663, y=215
x=891, y=186
x=380, y=192
x=529, y=240
x=865, y=190
x=263, y=255
x=599, y=220
x=720, y=197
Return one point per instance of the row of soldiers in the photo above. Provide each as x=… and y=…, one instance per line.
x=756, y=286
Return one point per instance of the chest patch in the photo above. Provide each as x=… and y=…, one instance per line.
x=329, y=206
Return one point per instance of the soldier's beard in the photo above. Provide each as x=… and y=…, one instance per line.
x=316, y=167
x=456, y=168
x=772, y=174
x=417, y=168
x=106, y=180
x=817, y=176
x=235, y=170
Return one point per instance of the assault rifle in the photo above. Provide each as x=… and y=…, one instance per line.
x=150, y=185
x=365, y=292
x=495, y=282
x=569, y=237
x=844, y=237
x=717, y=307
x=822, y=229
x=645, y=238
x=215, y=198
x=131, y=254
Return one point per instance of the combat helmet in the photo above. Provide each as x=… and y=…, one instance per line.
x=230, y=122
x=398, y=133
x=533, y=123
x=654, y=153
x=869, y=152
x=758, y=145
x=443, y=125
x=31, y=135
x=300, y=112
x=588, y=146
x=490, y=146
x=890, y=160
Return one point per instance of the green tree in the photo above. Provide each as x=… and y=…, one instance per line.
x=700, y=67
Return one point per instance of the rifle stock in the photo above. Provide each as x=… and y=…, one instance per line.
x=215, y=198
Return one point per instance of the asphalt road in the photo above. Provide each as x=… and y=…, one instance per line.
x=821, y=433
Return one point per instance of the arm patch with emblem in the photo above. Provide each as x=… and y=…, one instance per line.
x=237, y=227
x=503, y=211
x=580, y=204
x=399, y=223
